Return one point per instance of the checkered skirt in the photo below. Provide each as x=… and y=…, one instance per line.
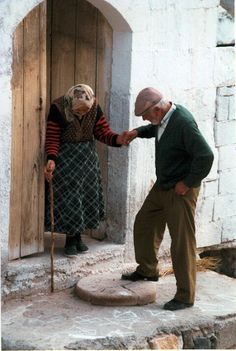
x=78, y=195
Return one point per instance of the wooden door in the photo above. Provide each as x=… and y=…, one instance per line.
x=29, y=103
x=60, y=43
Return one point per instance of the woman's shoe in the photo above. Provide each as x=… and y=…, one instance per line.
x=70, y=251
x=80, y=246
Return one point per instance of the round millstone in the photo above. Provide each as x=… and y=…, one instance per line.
x=109, y=290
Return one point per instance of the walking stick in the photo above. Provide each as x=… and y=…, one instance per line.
x=52, y=234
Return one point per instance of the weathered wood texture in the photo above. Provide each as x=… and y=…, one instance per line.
x=17, y=145
x=59, y=44
x=29, y=105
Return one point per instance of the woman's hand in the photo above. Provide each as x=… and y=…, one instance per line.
x=49, y=169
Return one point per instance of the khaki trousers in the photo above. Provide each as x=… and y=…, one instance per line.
x=166, y=207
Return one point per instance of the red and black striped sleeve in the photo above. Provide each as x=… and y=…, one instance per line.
x=102, y=130
x=53, y=133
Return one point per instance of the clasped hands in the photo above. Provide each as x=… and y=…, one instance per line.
x=126, y=137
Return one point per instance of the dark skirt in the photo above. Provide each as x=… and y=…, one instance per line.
x=78, y=195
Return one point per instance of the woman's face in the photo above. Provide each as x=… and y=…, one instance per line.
x=81, y=110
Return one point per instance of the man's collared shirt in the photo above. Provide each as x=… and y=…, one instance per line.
x=164, y=122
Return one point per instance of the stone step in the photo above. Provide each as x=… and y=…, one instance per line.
x=60, y=320
x=32, y=275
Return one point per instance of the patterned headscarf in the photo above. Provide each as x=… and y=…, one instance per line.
x=78, y=100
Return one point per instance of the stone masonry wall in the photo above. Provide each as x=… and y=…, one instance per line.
x=186, y=50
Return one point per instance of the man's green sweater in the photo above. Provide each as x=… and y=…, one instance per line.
x=182, y=153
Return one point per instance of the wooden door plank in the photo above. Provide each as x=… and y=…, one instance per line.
x=63, y=46
x=31, y=136
x=43, y=93
x=86, y=38
x=17, y=145
x=104, y=61
x=103, y=84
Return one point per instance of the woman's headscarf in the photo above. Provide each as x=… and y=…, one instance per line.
x=78, y=100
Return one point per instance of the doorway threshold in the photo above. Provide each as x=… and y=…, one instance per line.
x=31, y=275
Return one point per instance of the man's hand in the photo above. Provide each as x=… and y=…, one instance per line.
x=181, y=188
x=49, y=169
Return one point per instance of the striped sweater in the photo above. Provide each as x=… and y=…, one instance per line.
x=57, y=128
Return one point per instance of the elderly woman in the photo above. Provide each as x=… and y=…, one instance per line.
x=75, y=120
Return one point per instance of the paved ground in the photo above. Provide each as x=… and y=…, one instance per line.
x=62, y=321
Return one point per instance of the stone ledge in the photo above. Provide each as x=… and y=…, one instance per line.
x=32, y=275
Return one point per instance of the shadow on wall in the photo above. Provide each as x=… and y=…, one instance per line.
x=227, y=258
x=228, y=5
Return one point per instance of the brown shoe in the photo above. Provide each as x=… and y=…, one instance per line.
x=135, y=276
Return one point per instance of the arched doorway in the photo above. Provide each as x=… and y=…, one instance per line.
x=59, y=43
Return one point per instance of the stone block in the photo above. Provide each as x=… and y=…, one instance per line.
x=110, y=290
x=229, y=229
x=225, y=133
x=225, y=333
x=202, y=67
x=142, y=59
x=208, y=234
x=188, y=30
x=227, y=157
x=224, y=71
x=200, y=102
x=210, y=188
x=225, y=104
x=226, y=91
x=222, y=108
x=225, y=206
x=232, y=115
x=202, y=342
x=164, y=71
x=160, y=5
x=206, y=129
x=197, y=4
x=227, y=182
x=210, y=27
x=225, y=28
x=205, y=209
x=166, y=341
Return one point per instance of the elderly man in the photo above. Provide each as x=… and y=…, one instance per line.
x=183, y=159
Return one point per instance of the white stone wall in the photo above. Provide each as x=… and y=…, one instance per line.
x=175, y=49
x=171, y=45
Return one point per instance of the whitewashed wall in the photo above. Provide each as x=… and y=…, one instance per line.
x=171, y=45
